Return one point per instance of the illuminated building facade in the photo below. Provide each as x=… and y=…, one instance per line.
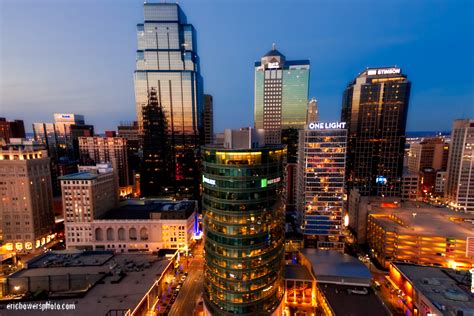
x=26, y=208
x=94, y=150
x=431, y=291
x=167, y=65
x=419, y=235
x=321, y=170
x=460, y=182
x=312, y=112
x=86, y=195
x=281, y=94
x=244, y=230
x=375, y=106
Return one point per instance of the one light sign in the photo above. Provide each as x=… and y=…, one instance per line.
x=331, y=125
x=273, y=65
x=384, y=71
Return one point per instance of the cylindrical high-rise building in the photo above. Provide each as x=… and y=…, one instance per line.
x=244, y=232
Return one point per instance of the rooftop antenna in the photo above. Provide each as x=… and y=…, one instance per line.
x=273, y=46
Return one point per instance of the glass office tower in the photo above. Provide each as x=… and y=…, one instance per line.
x=321, y=171
x=375, y=106
x=281, y=94
x=167, y=62
x=243, y=228
x=460, y=182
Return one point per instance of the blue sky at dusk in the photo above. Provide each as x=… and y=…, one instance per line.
x=78, y=56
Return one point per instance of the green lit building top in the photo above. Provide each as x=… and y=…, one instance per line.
x=281, y=94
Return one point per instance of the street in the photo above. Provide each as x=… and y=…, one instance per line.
x=385, y=292
x=190, y=293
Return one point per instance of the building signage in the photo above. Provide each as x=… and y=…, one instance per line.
x=384, y=71
x=276, y=180
x=273, y=65
x=332, y=125
x=208, y=181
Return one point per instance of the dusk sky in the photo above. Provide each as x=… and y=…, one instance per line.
x=78, y=56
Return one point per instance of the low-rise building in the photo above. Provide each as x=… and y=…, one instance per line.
x=343, y=284
x=421, y=234
x=146, y=225
x=86, y=195
x=432, y=291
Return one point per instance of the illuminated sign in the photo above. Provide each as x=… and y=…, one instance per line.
x=332, y=125
x=264, y=182
x=384, y=71
x=208, y=181
x=381, y=180
x=276, y=180
x=273, y=65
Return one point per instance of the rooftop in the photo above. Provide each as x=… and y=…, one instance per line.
x=442, y=287
x=273, y=52
x=422, y=219
x=297, y=272
x=156, y=209
x=343, y=303
x=107, y=292
x=334, y=267
x=84, y=175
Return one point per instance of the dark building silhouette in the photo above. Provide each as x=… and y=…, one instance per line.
x=375, y=106
x=11, y=129
x=208, y=120
x=157, y=170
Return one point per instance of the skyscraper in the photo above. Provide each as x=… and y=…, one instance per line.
x=460, y=182
x=281, y=94
x=375, y=106
x=62, y=124
x=167, y=62
x=321, y=172
x=61, y=141
x=208, y=120
x=243, y=227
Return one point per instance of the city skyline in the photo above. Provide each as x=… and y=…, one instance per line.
x=72, y=74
